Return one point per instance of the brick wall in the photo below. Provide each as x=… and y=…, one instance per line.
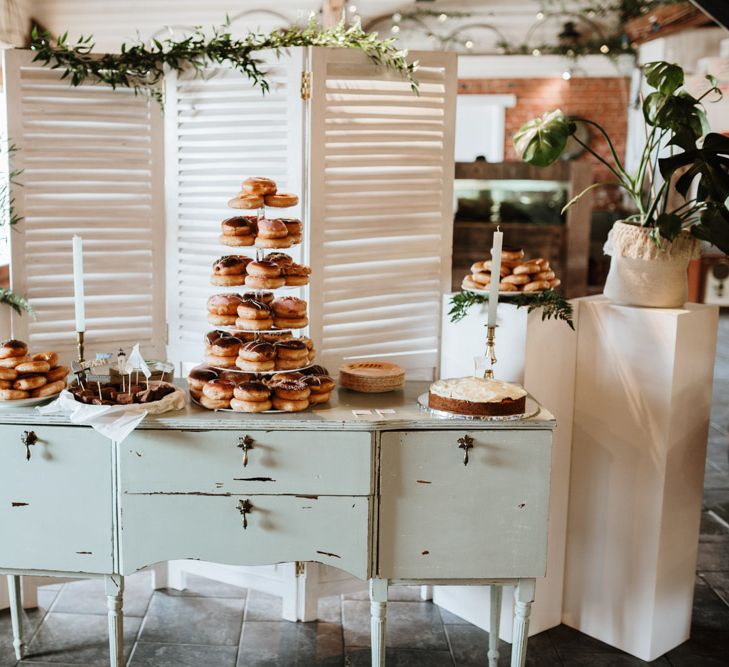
x=604, y=100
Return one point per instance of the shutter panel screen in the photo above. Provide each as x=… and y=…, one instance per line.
x=220, y=129
x=92, y=161
x=381, y=208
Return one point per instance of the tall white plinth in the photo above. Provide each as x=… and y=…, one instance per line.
x=641, y=419
x=541, y=355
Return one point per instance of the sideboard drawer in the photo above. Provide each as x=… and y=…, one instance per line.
x=442, y=519
x=56, y=508
x=311, y=462
x=331, y=530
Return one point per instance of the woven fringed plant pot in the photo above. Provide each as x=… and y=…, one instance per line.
x=643, y=274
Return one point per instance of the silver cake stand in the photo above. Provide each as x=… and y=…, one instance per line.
x=531, y=409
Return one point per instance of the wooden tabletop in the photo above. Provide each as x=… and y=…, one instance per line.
x=347, y=410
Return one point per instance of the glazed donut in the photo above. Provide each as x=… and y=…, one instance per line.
x=198, y=376
x=57, y=373
x=212, y=336
x=486, y=266
x=516, y=279
x=33, y=367
x=8, y=374
x=13, y=348
x=12, y=362
x=257, y=351
x=30, y=382
x=511, y=254
x=295, y=238
x=507, y=287
x=289, y=307
x=275, y=336
x=481, y=278
x=227, y=281
x=307, y=341
x=311, y=356
x=212, y=404
x=259, y=185
x=296, y=274
x=225, y=346
x=293, y=225
x=240, y=405
x=219, y=361
x=320, y=384
x=224, y=304
x=255, y=366
x=555, y=283
x=221, y=320
x=526, y=268
x=278, y=378
x=49, y=389
x=291, y=364
x=6, y=384
x=239, y=225
x=50, y=357
x=237, y=241
x=543, y=275
x=317, y=399
x=285, y=242
x=291, y=349
x=13, y=394
x=246, y=201
x=219, y=389
x=470, y=283
x=250, y=309
x=254, y=325
x=289, y=406
x=536, y=286
x=317, y=370
x=263, y=297
x=544, y=263
x=252, y=391
x=272, y=229
x=281, y=200
x=230, y=265
x=263, y=269
x=265, y=283
x=292, y=390
x=280, y=259
x=288, y=323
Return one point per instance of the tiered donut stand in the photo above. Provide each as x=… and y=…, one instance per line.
x=246, y=201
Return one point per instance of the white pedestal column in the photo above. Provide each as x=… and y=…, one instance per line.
x=642, y=401
x=541, y=355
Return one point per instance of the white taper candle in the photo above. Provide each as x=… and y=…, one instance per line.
x=78, y=283
x=495, y=277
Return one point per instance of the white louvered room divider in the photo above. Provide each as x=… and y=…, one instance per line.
x=371, y=161
x=92, y=165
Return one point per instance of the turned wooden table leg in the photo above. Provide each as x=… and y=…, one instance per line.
x=495, y=619
x=523, y=597
x=114, y=585
x=16, y=615
x=378, y=615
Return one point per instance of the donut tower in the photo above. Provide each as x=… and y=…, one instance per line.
x=255, y=359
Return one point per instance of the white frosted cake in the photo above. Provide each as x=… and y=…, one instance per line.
x=477, y=396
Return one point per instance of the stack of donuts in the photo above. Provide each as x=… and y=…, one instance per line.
x=276, y=270
x=248, y=392
x=228, y=350
x=516, y=274
x=257, y=311
x=258, y=191
x=23, y=375
x=250, y=230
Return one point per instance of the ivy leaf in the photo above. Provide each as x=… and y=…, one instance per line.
x=665, y=77
x=541, y=141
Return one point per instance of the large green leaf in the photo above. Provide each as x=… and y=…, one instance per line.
x=710, y=163
x=714, y=227
x=665, y=77
x=541, y=141
x=681, y=113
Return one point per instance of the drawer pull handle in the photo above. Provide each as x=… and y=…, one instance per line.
x=245, y=507
x=465, y=443
x=28, y=438
x=245, y=443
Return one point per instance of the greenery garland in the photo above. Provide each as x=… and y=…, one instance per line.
x=142, y=67
x=553, y=305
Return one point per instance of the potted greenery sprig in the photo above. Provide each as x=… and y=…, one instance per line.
x=651, y=249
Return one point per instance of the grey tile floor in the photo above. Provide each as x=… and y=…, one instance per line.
x=214, y=625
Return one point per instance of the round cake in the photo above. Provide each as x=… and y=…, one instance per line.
x=477, y=396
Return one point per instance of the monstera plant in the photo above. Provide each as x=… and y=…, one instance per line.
x=651, y=248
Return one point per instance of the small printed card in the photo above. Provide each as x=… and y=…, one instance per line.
x=362, y=413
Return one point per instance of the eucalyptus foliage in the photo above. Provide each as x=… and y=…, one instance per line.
x=696, y=165
x=141, y=66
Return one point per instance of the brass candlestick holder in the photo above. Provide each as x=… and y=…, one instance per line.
x=80, y=345
x=490, y=351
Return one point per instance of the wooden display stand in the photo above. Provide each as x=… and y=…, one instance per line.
x=642, y=400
